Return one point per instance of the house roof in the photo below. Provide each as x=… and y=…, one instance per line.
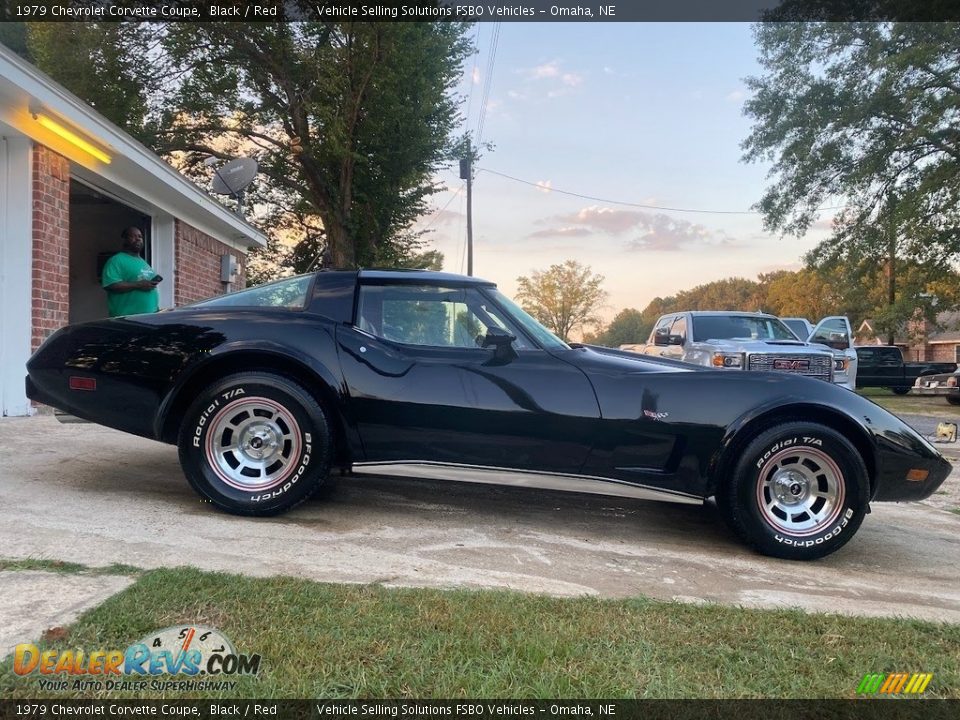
x=134, y=173
x=949, y=332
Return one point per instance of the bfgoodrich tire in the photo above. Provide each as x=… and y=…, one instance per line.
x=799, y=491
x=255, y=444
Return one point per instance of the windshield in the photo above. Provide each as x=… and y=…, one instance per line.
x=739, y=327
x=799, y=328
x=539, y=333
x=287, y=293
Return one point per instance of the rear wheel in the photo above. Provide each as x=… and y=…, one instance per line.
x=900, y=390
x=255, y=444
x=799, y=491
x=953, y=399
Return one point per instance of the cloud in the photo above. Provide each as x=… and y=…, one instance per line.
x=561, y=232
x=547, y=70
x=736, y=96
x=475, y=76
x=556, y=79
x=544, y=186
x=650, y=231
x=605, y=219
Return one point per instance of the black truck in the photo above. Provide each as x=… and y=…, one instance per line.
x=884, y=366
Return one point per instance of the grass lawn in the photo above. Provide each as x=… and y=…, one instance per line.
x=931, y=405
x=326, y=641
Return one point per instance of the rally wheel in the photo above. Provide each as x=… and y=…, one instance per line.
x=255, y=444
x=798, y=491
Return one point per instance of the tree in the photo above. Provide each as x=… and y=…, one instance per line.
x=564, y=297
x=866, y=113
x=629, y=326
x=350, y=119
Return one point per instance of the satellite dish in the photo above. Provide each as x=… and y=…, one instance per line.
x=232, y=177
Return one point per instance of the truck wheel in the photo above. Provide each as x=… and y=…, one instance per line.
x=900, y=390
x=953, y=399
x=799, y=491
x=255, y=444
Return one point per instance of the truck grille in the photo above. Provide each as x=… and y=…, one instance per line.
x=816, y=366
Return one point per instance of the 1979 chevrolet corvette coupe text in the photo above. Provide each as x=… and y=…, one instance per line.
x=266, y=389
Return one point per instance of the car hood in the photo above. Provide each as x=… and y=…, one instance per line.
x=767, y=346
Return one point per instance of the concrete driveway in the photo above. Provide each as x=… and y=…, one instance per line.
x=86, y=494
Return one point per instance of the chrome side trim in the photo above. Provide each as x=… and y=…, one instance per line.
x=522, y=478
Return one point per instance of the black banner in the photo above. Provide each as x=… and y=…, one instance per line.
x=863, y=709
x=477, y=11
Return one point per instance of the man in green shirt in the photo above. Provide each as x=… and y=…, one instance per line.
x=130, y=282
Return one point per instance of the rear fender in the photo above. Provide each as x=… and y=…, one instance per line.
x=316, y=376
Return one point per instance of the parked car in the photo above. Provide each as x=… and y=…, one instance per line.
x=836, y=333
x=884, y=366
x=944, y=384
x=734, y=340
x=265, y=390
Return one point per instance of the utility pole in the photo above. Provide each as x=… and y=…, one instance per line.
x=466, y=173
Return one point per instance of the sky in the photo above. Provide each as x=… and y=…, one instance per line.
x=642, y=113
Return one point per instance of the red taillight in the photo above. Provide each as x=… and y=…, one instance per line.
x=82, y=383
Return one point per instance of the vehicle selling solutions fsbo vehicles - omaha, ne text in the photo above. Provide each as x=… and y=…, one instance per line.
x=439, y=375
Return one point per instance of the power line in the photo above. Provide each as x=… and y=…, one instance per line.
x=633, y=204
x=488, y=81
x=433, y=218
x=619, y=202
x=473, y=72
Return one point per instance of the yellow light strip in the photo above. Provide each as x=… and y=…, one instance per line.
x=72, y=138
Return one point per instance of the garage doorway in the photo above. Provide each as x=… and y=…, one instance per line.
x=96, y=221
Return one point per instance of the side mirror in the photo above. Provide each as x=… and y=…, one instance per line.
x=661, y=337
x=675, y=340
x=502, y=343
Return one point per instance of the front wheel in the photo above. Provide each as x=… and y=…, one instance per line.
x=255, y=444
x=900, y=390
x=953, y=399
x=799, y=491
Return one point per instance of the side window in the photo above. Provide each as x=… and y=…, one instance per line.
x=832, y=333
x=679, y=327
x=866, y=356
x=427, y=316
x=663, y=325
x=891, y=356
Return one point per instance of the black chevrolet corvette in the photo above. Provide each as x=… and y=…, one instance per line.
x=267, y=389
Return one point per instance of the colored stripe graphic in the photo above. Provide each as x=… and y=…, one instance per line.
x=870, y=683
x=894, y=683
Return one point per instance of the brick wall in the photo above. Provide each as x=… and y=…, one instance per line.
x=942, y=352
x=51, y=243
x=197, y=259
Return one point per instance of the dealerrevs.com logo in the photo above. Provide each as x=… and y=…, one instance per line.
x=184, y=652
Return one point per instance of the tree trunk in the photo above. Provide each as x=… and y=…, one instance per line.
x=891, y=274
x=340, y=249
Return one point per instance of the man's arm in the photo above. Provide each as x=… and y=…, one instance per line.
x=125, y=287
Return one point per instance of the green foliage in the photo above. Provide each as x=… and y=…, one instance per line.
x=13, y=35
x=564, y=297
x=629, y=326
x=105, y=64
x=349, y=121
x=867, y=113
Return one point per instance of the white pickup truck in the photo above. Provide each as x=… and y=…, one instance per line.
x=754, y=341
